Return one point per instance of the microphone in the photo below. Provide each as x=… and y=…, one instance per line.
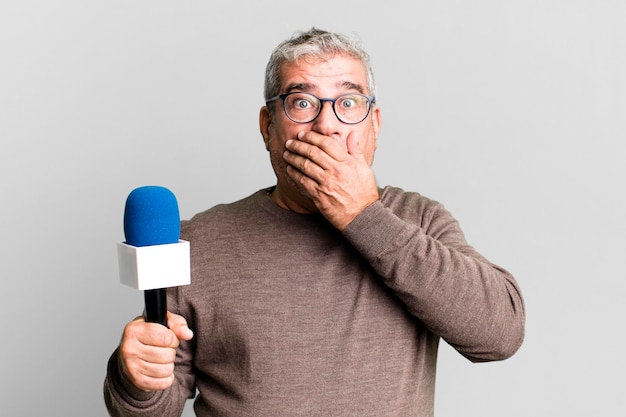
x=153, y=257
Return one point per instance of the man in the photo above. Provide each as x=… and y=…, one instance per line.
x=323, y=295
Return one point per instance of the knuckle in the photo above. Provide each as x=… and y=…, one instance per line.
x=132, y=330
x=306, y=165
x=129, y=330
x=313, y=153
x=134, y=373
x=301, y=179
x=175, y=321
x=125, y=351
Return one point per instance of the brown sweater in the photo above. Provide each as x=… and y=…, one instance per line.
x=293, y=318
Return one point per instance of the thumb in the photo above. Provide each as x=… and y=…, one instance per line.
x=354, y=145
x=178, y=325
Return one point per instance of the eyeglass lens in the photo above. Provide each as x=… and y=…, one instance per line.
x=304, y=107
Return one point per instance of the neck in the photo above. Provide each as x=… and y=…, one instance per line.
x=304, y=206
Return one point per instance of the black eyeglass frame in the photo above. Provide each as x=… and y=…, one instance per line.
x=370, y=100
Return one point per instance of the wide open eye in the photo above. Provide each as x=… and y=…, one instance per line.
x=302, y=101
x=302, y=104
x=348, y=102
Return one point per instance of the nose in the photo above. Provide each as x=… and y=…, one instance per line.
x=327, y=122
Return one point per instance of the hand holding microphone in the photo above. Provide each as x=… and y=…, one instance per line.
x=151, y=259
x=147, y=351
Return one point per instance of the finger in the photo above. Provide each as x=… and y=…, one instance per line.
x=154, y=370
x=158, y=336
x=306, y=182
x=155, y=384
x=153, y=380
x=310, y=152
x=178, y=325
x=335, y=147
x=149, y=334
x=304, y=165
x=133, y=351
x=156, y=355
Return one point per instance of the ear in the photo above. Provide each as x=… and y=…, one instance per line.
x=265, y=123
x=377, y=122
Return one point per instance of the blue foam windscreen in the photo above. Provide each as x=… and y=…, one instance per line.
x=151, y=217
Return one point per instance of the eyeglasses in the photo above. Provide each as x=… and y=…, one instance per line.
x=350, y=108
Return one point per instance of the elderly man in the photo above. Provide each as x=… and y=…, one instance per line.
x=323, y=295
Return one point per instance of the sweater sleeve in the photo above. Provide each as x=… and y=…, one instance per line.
x=474, y=305
x=122, y=399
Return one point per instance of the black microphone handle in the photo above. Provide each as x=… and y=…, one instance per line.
x=156, y=306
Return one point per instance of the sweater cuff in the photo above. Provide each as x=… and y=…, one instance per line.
x=122, y=386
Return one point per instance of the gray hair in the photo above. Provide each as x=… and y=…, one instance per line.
x=314, y=43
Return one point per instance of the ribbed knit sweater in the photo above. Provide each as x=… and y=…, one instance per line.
x=293, y=318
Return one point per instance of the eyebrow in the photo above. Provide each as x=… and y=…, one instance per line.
x=352, y=86
x=300, y=87
x=347, y=85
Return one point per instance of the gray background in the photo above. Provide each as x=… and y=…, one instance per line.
x=510, y=113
